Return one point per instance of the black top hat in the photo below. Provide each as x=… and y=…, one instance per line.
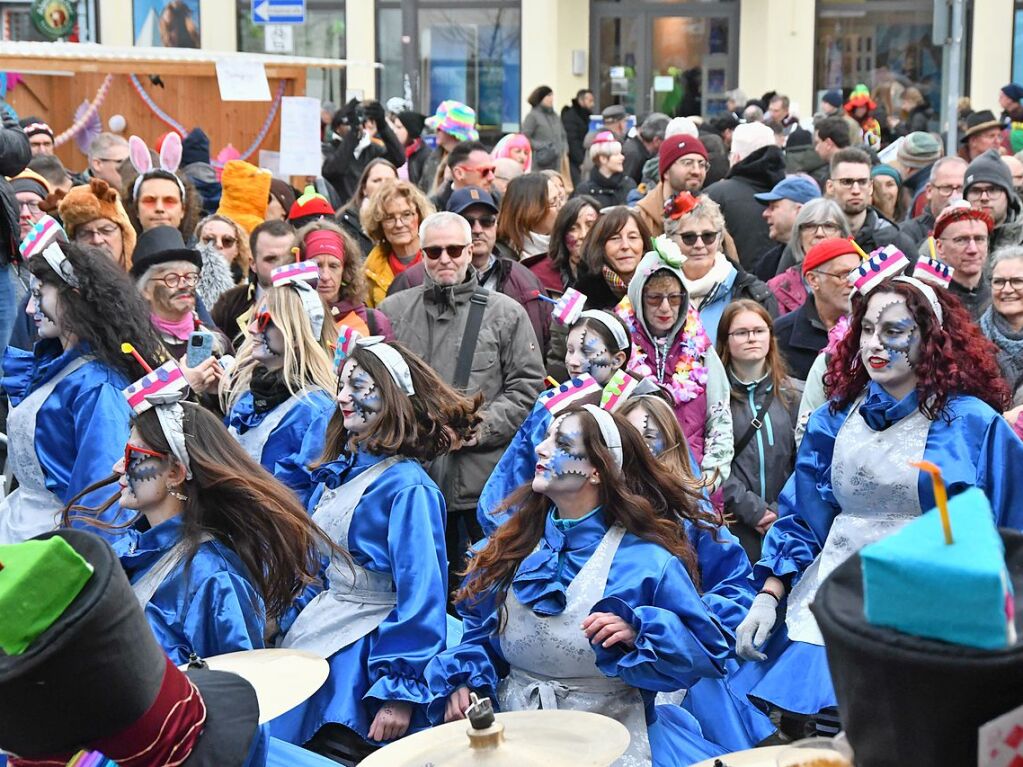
x=905, y=700
x=977, y=122
x=94, y=673
x=160, y=245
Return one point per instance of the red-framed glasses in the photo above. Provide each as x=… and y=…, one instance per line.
x=263, y=321
x=130, y=449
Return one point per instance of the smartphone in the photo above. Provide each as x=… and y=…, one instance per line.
x=200, y=347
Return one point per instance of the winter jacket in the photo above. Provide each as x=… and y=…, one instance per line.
x=738, y=284
x=379, y=276
x=975, y=300
x=636, y=156
x=513, y=280
x=416, y=160
x=348, y=219
x=760, y=471
x=804, y=159
x=547, y=136
x=1010, y=231
x=743, y=212
x=918, y=229
x=576, y=122
x=553, y=280
x=789, y=289
x=342, y=168
x=607, y=190
x=432, y=162
x=507, y=369
x=717, y=157
x=800, y=336
x=15, y=155
x=651, y=210
x=877, y=232
x=769, y=263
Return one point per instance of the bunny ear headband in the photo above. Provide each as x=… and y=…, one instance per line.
x=142, y=161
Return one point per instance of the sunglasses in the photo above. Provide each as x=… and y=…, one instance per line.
x=130, y=449
x=227, y=241
x=433, y=252
x=689, y=238
x=483, y=170
x=485, y=221
x=263, y=321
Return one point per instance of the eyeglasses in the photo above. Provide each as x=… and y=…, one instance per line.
x=825, y=228
x=693, y=164
x=653, y=300
x=110, y=159
x=1013, y=283
x=217, y=241
x=172, y=280
x=31, y=207
x=484, y=221
x=963, y=240
x=103, y=232
x=836, y=275
x=263, y=321
x=849, y=183
x=404, y=218
x=433, y=252
x=747, y=334
x=130, y=449
x=988, y=190
x=689, y=238
x=947, y=189
x=483, y=170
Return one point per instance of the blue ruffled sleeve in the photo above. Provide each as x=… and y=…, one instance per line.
x=515, y=467
x=677, y=641
x=416, y=630
x=224, y=615
x=724, y=575
x=806, y=506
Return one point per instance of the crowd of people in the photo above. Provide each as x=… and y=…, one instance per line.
x=578, y=420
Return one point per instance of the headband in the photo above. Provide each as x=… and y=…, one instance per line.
x=164, y=388
x=608, y=430
x=153, y=174
x=33, y=128
x=142, y=161
x=324, y=242
x=298, y=277
x=609, y=321
x=928, y=293
x=392, y=360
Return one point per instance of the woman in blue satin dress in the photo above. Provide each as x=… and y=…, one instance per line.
x=913, y=380
x=587, y=598
x=381, y=618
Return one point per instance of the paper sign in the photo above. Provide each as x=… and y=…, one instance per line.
x=300, y=137
x=1000, y=741
x=271, y=161
x=664, y=83
x=617, y=72
x=242, y=80
x=279, y=38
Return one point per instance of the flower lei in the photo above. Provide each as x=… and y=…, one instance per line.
x=689, y=379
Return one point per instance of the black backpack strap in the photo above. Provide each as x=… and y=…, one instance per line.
x=477, y=305
x=755, y=423
x=371, y=322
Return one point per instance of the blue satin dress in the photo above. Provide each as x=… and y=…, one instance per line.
x=214, y=610
x=295, y=443
x=398, y=529
x=678, y=641
x=81, y=428
x=975, y=446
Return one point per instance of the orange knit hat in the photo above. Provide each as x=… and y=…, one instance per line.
x=246, y=193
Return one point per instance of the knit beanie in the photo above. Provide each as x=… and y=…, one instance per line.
x=195, y=147
x=97, y=199
x=989, y=169
x=834, y=98
x=961, y=210
x=413, y=122
x=282, y=191
x=1013, y=91
x=679, y=126
x=246, y=193
x=309, y=207
x=749, y=137
x=30, y=181
x=675, y=147
x=918, y=150
x=825, y=251
x=33, y=126
x=886, y=170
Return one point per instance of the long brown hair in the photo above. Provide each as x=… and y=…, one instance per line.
x=676, y=454
x=422, y=426
x=643, y=496
x=610, y=223
x=234, y=499
x=523, y=207
x=776, y=366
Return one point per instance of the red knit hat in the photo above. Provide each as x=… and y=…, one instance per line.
x=310, y=204
x=323, y=242
x=825, y=250
x=675, y=147
x=961, y=210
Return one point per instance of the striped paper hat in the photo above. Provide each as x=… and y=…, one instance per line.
x=933, y=271
x=570, y=392
x=300, y=277
x=883, y=264
x=617, y=391
x=44, y=232
x=305, y=271
x=569, y=307
x=165, y=379
x=347, y=337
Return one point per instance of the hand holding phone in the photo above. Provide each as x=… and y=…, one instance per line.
x=200, y=347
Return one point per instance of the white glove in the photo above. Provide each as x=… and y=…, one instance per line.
x=756, y=627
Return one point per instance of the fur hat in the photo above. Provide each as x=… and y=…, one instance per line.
x=246, y=193
x=97, y=199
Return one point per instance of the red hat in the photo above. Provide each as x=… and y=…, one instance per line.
x=675, y=147
x=825, y=250
x=323, y=242
x=310, y=204
x=960, y=210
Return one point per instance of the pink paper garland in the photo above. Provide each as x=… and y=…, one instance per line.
x=80, y=123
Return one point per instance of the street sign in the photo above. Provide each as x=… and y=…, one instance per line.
x=278, y=11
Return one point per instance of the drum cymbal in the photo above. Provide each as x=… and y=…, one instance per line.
x=754, y=757
x=281, y=677
x=531, y=739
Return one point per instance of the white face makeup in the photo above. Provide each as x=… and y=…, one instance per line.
x=358, y=398
x=586, y=352
x=890, y=343
x=43, y=308
x=561, y=462
x=647, y=426
x=143, y=476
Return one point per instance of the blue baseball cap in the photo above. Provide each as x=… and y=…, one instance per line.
x=461, y=199
x=796, y=188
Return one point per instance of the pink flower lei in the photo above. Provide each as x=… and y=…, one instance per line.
x=689, y=379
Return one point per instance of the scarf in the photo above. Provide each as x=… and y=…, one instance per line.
x=705, y=285
x=397, y=267
x=268, y=389
x=181, y=329
x=535, y=244
x=1009, y=343
x=618, y=286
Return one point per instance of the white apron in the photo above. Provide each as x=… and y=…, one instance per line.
x=356, y=600
x=31, y=509
x=553, y=664
x=876, y=489
x=254, y=440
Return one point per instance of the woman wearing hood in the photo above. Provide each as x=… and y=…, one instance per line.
x=670, y=344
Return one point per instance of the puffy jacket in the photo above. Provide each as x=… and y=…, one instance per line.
x=738, y=284
x=651, y=210
x=507, y=369
x=15, y=155
x=379, y=276
x=576, y=122
x=918, y=229
x=348, y=219
x=547, y=137
x=607, y=190
x=878, y=231
x=743, y=213
x=804, y=159
x=513, y=280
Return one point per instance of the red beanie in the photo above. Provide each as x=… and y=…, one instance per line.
x=825, y=250
x=675, y=147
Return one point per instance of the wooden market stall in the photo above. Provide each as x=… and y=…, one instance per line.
x=56, y=78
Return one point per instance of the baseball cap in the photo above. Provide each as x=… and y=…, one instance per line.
x=461, y=199
x=795, y=188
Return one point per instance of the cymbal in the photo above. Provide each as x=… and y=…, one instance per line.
x=531, y=739
x=281, y=677
x=754, y=757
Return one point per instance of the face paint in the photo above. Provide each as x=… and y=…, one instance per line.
x=43, y=308
x=585, y=352
x=267, y=341
x=358, y=397
x=890, y=343
x=647, y=426
x=562, y=465
x=143, y=475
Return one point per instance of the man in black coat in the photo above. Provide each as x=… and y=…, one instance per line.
x=15, y=155
x=576, y=119
x=361, y=133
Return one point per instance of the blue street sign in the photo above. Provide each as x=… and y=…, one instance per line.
x=278, y=11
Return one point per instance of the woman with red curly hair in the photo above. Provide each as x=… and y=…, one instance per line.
x=913, y=380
